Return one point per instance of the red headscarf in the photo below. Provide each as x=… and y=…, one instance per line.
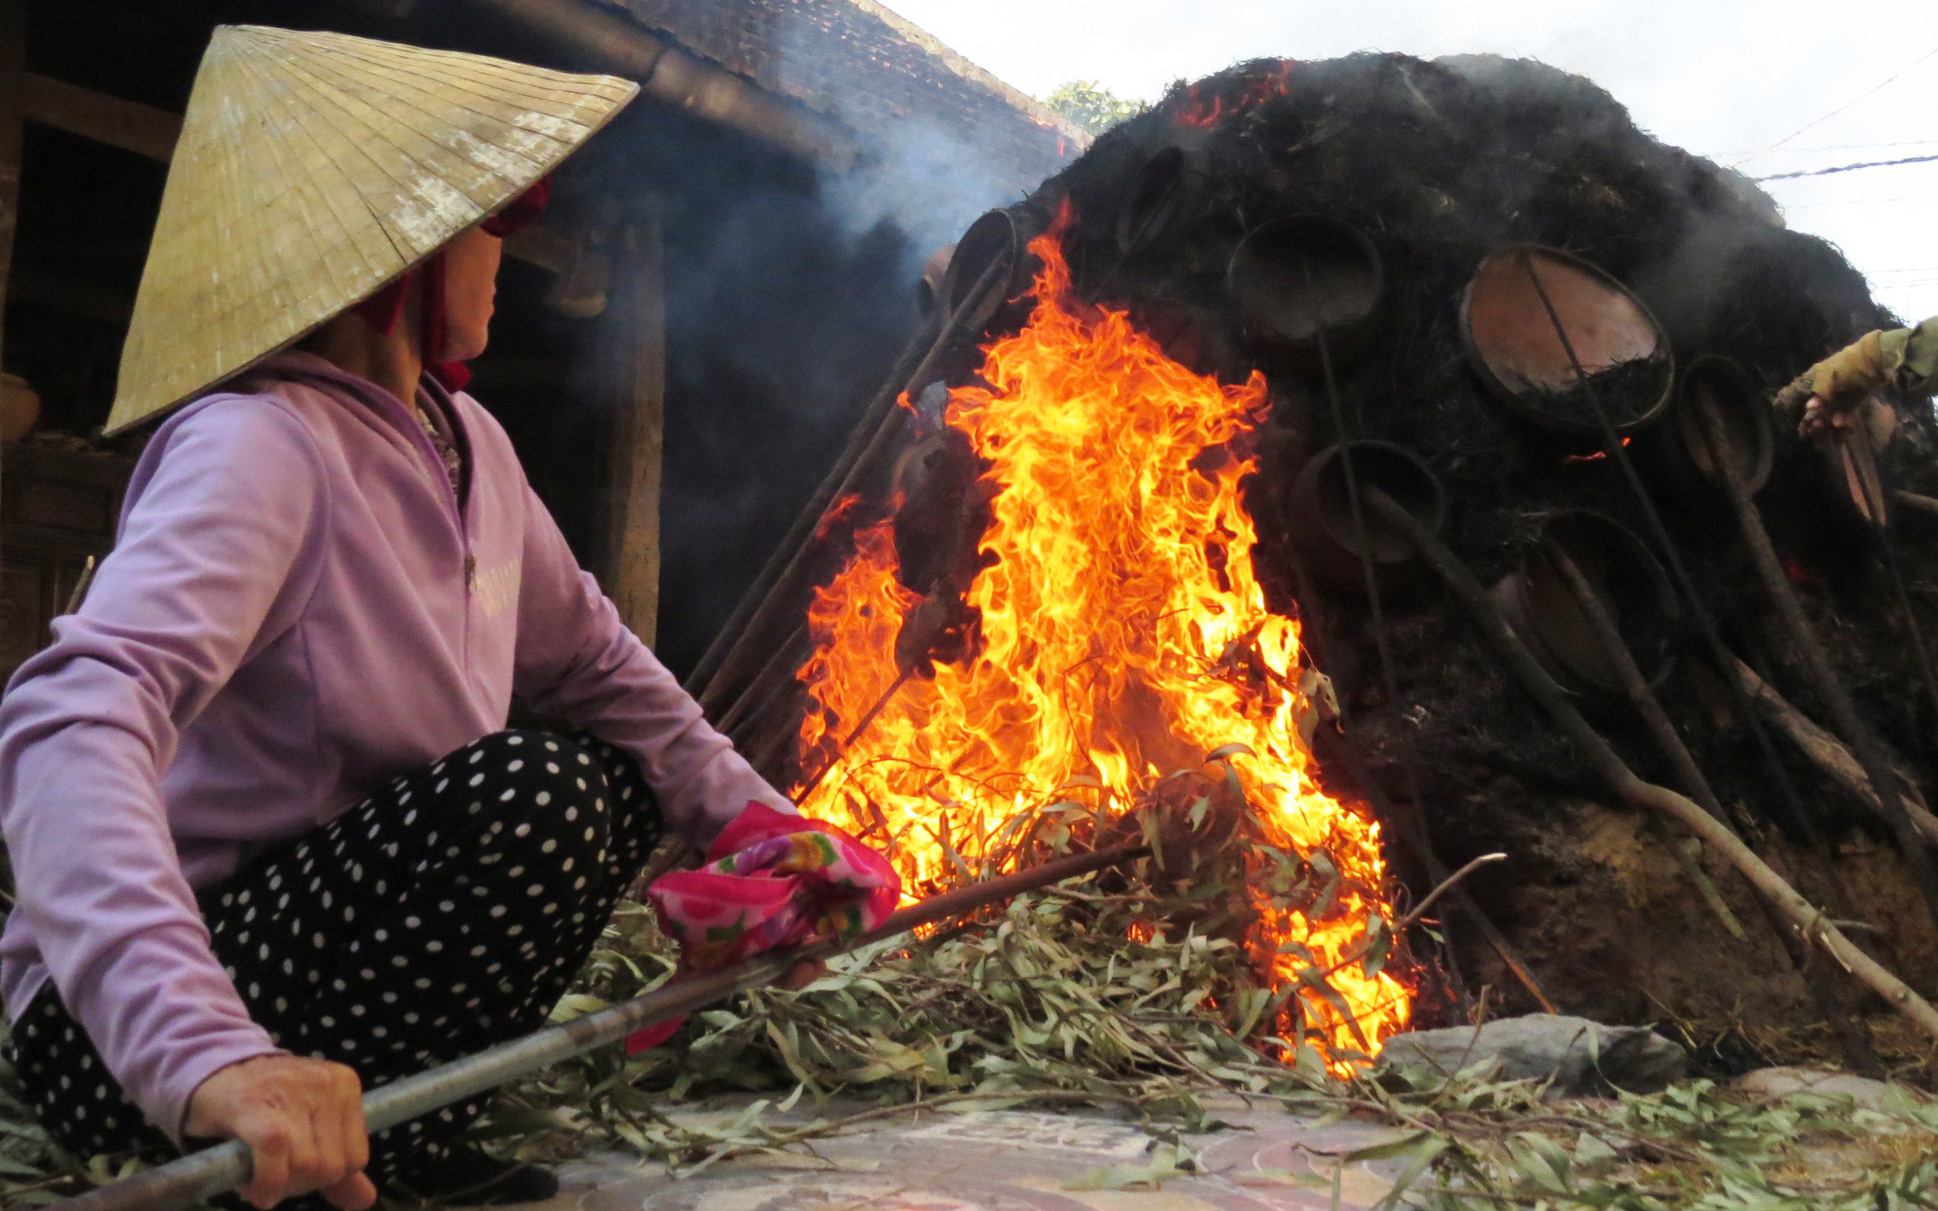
x=383, y=309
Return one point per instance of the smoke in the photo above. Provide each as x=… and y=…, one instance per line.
x=934, y=152
x=923, y=180
x=784, y=312
x=789, y=290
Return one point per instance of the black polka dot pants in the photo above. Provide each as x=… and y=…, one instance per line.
x=444, y=914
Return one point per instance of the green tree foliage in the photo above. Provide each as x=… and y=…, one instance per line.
x=1091, y=106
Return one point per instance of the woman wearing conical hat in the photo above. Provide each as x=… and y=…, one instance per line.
x=273, y=841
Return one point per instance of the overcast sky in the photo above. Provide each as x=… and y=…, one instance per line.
x=1724, y=78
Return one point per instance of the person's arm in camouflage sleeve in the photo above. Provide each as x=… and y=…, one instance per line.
x=1831, y=391
x=1913, y=355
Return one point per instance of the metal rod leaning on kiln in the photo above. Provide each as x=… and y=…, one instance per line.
x=802, y=528
x=1878, y=509
x=1809, y=922
x=856, y=733
x=1856, y=733
x=768, y=686
x=1720, y=655
x=1831, y=996
x=879, y=423
x=1856, y=1050
x=1411, y=819
x=225, y=1166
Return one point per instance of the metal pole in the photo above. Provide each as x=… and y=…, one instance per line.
x=1411, y=819
x=1864, y=744
x=196, y=1177
x=729, y=665
x=773, y=680
x=867, y=720
x=809, y=517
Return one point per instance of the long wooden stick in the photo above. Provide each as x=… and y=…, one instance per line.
x=1811, y=924
x=1640, y=696
x=1828, y=753
x=1832, y=996
x=1916, y=503
x=196, y=1177
x=1863, y=742
x=1399, y=927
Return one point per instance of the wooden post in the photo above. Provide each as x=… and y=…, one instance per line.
x=13, y=73
x=636, y=325
x=129, y=125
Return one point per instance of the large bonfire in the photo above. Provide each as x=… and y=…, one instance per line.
x=1123, y=636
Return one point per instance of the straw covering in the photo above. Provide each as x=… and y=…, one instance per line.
x=315, y=167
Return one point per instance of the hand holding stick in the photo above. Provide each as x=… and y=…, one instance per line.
x=196, y=1177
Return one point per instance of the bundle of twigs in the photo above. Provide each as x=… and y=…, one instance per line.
x=1094, y=994
x=1124, y=983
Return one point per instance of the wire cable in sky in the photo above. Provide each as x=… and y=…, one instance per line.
x=1718, y=155
x=1813, y=124
x=1915, y=197
x=1824, y=172
x=1863, y=146
x=1798, y=151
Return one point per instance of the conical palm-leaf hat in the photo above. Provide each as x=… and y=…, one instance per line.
x=314, y=168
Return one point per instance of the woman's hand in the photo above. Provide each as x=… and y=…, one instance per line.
x=801, y=975
x=303, y=1122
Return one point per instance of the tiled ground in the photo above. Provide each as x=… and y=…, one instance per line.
x=1008, y=1160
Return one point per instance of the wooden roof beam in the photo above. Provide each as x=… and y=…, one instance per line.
x=129, y=125
x=605, y=41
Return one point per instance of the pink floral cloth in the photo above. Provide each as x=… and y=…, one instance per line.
x=769, y=883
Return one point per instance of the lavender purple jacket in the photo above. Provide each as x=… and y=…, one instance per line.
x=296, y=609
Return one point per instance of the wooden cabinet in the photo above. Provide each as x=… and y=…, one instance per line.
x=57, y=507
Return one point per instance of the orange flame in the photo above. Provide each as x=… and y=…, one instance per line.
x=1597, y=456
x=845, y=511
x=1198, y=112
x=1117, y=589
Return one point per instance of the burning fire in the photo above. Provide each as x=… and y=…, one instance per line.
x=1595, y=457
x=1117, y=597
x=1201, y=111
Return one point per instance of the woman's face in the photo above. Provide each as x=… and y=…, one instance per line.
x=470, y=289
